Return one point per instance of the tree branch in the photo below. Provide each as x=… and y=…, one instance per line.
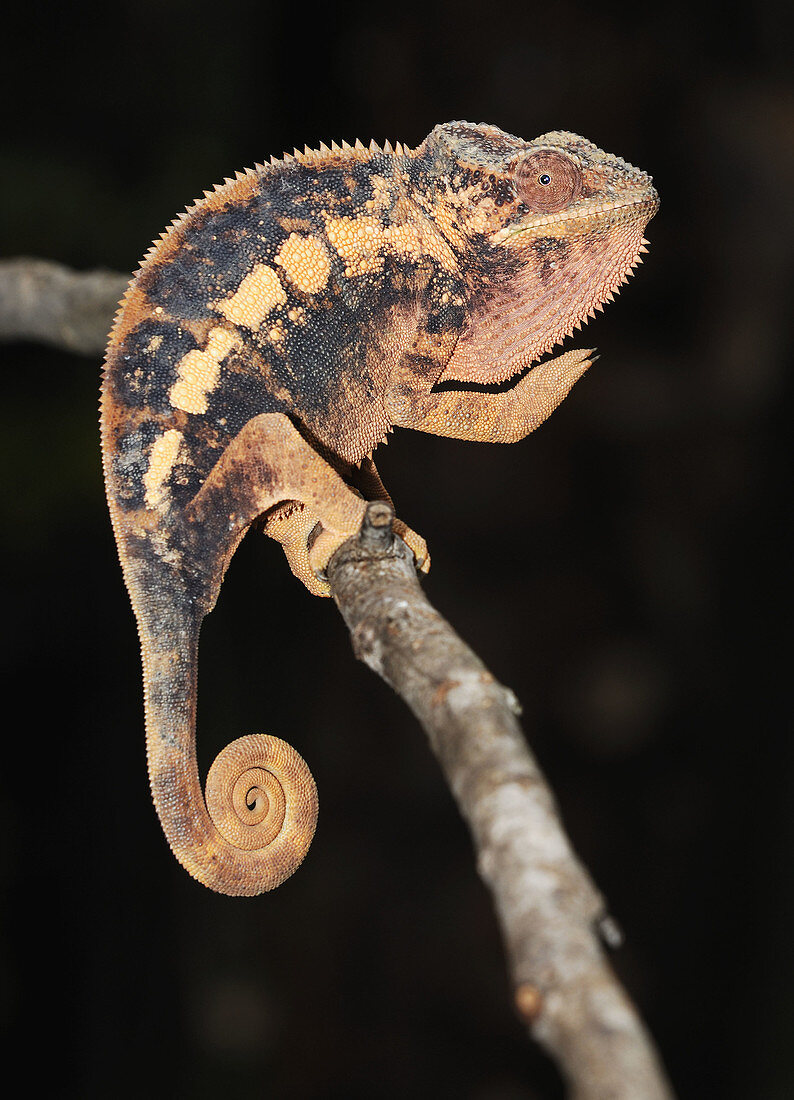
x=550, y=912
x=47, y=302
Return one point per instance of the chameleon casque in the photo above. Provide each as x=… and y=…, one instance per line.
x=272, y=337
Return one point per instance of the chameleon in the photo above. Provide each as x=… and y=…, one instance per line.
x=273, y=336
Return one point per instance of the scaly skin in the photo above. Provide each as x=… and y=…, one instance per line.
x=272, y=337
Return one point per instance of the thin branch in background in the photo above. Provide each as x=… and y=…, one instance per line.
x=51, y=304
x=552, y=917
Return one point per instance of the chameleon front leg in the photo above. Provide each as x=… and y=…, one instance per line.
x=489, y=417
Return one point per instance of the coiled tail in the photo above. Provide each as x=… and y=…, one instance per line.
x=260, y=813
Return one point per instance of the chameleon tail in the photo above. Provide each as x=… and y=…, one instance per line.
x=260, y=813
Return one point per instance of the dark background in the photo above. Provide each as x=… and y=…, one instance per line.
x=623, y=570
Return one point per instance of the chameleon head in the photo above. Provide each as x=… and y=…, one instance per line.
x=554, y=228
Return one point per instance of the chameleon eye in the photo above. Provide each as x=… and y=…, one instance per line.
x=547, y=181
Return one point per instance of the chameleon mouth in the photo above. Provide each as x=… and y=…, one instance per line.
x=610, y=213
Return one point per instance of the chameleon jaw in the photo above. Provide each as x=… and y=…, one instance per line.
x=609, y=212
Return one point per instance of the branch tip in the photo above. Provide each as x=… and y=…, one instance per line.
x=376, y=528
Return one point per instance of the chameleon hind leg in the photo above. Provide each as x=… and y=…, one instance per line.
x=309, y=542
x=270, y=468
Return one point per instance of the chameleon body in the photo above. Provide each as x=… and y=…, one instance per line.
x=271, y=338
